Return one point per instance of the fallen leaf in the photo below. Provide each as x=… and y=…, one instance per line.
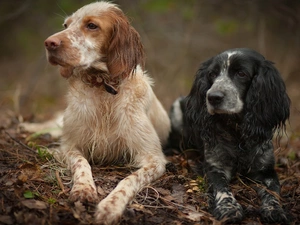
x=195, y=216
x=32, y=171
x=169, y=198
x=79, y=206
x=34, y=204
x=9, y=183
x=6, y=220
x=140, y=208
x=100, y=191
x=163, y=191
x=80, y=213
x=22, y=178
x=78, y=209
x=178, y=192
x=28, y=194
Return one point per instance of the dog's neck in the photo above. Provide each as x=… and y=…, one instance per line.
x=97, y=78
x=231, y=122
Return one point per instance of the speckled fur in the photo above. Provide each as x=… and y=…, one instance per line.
x=237, y=101
x=128, y=125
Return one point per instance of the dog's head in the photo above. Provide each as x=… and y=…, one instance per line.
x=98, y=36
x=228, y=77
x=241, y=82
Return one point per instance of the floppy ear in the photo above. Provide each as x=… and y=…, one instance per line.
x=196, y=111
x=267, y=104
x=196, y=99
x=125, y=50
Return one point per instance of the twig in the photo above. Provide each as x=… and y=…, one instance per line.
x=147, y=193
x=59, y=181
x=182, y=206
x=20, y=143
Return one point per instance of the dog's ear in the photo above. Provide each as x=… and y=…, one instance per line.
x=195, y=105
x=197, y=96
x=125, y=50
x=267, y=103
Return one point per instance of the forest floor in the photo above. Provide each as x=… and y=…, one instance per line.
x=34, y=188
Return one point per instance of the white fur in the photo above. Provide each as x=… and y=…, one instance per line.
x=176, y=115
x=232, y=101
x=229, y=54
x=103, y=128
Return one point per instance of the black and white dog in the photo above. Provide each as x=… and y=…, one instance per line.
x=237, y=102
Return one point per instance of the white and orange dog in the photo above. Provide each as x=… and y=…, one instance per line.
x=112, y=113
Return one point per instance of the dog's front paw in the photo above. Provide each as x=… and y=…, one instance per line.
x=83, y=193
x=108, y=212
x=273, y=213
x=228, y=209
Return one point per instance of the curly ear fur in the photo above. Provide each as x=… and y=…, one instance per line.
x=197, y=97
x=196, y=111
x=267, y=104
x=239, y=142
x=125, y=50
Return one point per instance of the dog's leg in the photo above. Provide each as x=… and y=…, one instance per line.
x=110, y=209
x=53, y=126
x=271, y=210
x=84, y=188
x=225, y=206
x=218, y=169
x=147, y=155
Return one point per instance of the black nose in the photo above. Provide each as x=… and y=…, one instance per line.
x=215, y=97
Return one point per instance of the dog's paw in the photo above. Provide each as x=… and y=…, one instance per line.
x=108, y=212
x=229, y=210
x=83, y=193
x=273, y=213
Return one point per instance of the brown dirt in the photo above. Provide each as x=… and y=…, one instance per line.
x=34, y=188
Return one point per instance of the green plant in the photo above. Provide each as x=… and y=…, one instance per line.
x=52, y=201
x=201, y=183
x=43, y=153
x=30, y=194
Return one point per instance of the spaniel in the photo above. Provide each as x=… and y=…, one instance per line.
x=236, y=103
x=112, y=114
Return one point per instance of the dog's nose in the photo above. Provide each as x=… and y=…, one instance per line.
x=215, y=97
x=52, y=43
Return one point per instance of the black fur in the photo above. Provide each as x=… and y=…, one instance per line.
x=236, y=136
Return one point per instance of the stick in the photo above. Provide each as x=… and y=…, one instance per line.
x=20, y=143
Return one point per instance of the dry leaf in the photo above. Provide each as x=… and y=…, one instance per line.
x=140, y=208
x=34, y=204
x=32, y=171
x=6, y=220
x=79, y=206
x=22, y=178
x=178, y=192
x=195, y=216
x=100, y=191
x=163, y=191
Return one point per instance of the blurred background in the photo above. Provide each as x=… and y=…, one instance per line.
x=177, y=35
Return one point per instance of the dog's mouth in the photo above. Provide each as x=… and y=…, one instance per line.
x=65, y=70
x=220, y=109
x=91, y=76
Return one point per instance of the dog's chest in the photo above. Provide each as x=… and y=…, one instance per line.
x=92, y=117
x=100, y=123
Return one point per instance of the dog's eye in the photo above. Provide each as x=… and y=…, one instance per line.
x=65, y=25
x=241, y=74
x=212, y=74
x=92, y=26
